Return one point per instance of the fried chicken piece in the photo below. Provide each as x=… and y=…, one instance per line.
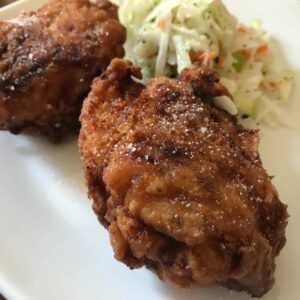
x=48, y=60
x=178, y=183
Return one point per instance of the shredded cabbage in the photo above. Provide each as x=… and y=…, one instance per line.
x=166, y=36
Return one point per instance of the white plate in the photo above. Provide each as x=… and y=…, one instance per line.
x=52, y=246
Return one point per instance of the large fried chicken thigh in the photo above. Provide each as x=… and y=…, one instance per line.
x=48, y=60
x=178, y=183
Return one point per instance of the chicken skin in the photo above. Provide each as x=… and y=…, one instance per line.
x=48, y=60
x=178, y=183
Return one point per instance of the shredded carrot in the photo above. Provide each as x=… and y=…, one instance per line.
x=220, y=62
x=161, y=24
x=199, y=56
x=246, y=53
x=268, y=84
x=261, y=49
x=211, y=54
x=242, y=30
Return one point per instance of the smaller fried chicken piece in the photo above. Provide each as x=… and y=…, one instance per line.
x=178, y=183
x=48, y=60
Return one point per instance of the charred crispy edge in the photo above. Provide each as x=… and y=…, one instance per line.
x=51, y=132
x=57, y=55
x=206, y=85
x=56, y=52
x=97, y=191
x=102, y=4
x=234, y=285
x=121, y=69
x=37, y=68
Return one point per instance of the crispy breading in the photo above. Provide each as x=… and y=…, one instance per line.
x=178, y=183
x=48, y=60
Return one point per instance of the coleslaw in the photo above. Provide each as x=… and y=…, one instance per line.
x=166, y=36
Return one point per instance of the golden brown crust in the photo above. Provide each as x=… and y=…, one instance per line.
x=179, y=183
x=48, y=60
